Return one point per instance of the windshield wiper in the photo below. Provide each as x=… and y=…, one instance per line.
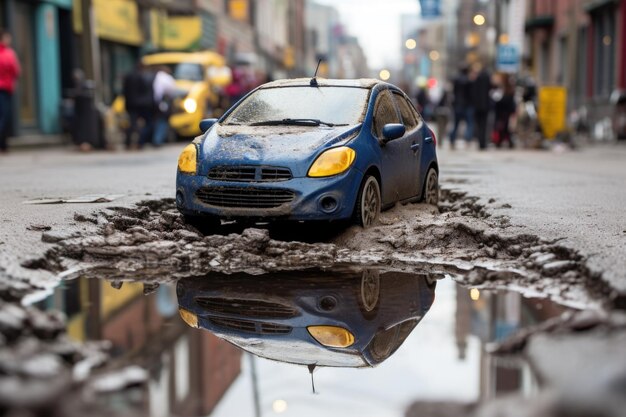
x=295, y=122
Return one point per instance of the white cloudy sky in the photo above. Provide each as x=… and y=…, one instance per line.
x=377, y=25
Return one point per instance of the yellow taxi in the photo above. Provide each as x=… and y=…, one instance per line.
x=199, y=77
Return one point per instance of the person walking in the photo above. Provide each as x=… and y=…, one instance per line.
x=504, y=108
x=9, y=73
x=164, y=91
x=461, y=104
x=139, y=101
x=480, y=88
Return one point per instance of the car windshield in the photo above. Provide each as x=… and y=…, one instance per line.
x=187, y=71
x=309, y=106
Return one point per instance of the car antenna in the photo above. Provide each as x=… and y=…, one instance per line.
x=311, y=369
x=313, y=82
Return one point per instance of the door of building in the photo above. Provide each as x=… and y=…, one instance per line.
x=24, y=43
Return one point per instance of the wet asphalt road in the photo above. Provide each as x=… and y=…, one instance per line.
x=577, y=196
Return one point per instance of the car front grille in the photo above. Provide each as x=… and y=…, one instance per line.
x=247, y=308
x=250, y=174
x=250, y=326
x=233, y=197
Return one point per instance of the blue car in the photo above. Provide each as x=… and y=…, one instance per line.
x=308, y=149
x=339, y=318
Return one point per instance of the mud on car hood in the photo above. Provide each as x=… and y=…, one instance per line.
x=294, y=147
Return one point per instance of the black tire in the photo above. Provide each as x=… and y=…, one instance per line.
x=368, y=203
x=205, y=224
x=369, y=293
x=430, y=193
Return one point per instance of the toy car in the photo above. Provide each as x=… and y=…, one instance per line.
x=309, y=150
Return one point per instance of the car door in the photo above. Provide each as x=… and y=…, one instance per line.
x=396, y=155
x=414, y=135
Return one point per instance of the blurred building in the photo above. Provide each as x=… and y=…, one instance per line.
x=429, y=47
x=581, y=45
x=270, y=38
x=189, y=369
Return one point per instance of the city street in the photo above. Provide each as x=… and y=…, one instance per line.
x=489, y=235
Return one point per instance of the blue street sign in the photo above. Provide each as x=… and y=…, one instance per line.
x=508, y=59
x=430, y=8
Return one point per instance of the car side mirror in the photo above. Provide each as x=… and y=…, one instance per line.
x=206, y=124
x=393, y=131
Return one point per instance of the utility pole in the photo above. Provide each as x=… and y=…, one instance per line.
x=89, y=45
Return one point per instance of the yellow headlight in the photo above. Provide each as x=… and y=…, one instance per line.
x=332, y=336
x=332, y=162
x=190, y=105
x=188, y=317
x=187, y=159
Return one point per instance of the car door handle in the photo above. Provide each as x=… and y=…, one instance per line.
x=415, y=147
x=428, y=139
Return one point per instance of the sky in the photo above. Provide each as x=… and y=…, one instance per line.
x=377, y=25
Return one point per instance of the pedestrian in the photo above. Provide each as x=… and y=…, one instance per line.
x=164, y=88
x=139, y=101
x=504, y=108
x=480, y=88
x=462, y=106
x=442, y=112
x=423, y=102
x=9, y=73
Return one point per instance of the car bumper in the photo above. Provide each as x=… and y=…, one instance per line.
x=331, y=198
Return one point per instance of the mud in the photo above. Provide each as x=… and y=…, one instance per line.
x=151, y=242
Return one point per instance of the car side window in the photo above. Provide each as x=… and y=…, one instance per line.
x=409, y=117
x=384, y=112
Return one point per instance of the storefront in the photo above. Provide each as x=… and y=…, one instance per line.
x=37, y=28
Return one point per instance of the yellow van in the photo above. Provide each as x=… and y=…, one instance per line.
x=199, y=76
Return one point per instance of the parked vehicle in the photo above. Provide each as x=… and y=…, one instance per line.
x=309, y=150
x=200, y=77
x=346, y=319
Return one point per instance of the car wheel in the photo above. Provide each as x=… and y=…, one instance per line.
x=368, y=202
x=369, y=293
x=430, y=194
x=205, y=224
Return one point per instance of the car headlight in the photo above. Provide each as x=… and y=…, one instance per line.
x=188, y=317
x=332, y=336
x=188, y=159
x=332, y=162
x=190, y=105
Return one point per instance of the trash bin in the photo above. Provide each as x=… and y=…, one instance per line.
x=618, y=100
x=86, y=124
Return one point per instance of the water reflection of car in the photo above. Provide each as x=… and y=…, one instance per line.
x=350, y=319
x=199, y=76
x=309, y=150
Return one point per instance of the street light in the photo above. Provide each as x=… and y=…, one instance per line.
x=479, y=20
x=410, y=44
x=384, y=75
x=434, y=55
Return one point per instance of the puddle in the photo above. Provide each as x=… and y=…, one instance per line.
x=419, y=341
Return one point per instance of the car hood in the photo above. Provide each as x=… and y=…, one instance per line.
x=293, y=147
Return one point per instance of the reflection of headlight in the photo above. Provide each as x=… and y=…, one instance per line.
x=332, y=336
x=332, y=162
x=187, y=161
x=188, y=317
x=190, y=105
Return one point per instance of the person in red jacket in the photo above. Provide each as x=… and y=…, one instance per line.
x=9, y=73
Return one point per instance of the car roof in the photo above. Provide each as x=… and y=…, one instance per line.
x=323, y=82
x=203, y=58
